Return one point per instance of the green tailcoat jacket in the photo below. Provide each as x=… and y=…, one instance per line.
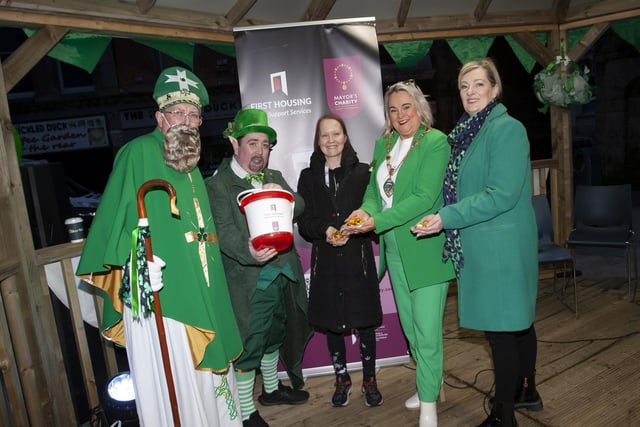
x=242, y=270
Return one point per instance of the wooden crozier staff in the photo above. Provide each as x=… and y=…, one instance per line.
x=162, y=338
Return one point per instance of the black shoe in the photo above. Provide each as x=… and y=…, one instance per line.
x=372, y=395
x=255, y=420
x=497, y=418
x=526, y=398
x=529, y=401
x=343, y=390
x=493, y=421
x=284, y=395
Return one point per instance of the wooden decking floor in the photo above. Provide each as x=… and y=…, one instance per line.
x=588, y=370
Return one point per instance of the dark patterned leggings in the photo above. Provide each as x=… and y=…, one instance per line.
x=337, y=351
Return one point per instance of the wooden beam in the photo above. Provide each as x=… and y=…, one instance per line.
x=123, y=19
x=23, y=59
x=532, y=45
x=588, y=40
x=461, y=32
x=145, y=6
x=238, y=11
x=583, y=22
x=403, y=12
x=129, y=29
x=433, y=27
x=559, y=10
x=586, y=10
x=481, y=9
x=318, y=10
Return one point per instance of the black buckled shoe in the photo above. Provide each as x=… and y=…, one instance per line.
x=284, y=395
x=255, y=420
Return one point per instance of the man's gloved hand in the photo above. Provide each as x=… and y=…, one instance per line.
x=155, y=273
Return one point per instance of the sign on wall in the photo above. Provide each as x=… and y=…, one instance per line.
x=63, y=135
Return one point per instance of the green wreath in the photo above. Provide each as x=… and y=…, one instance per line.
x=552, y=88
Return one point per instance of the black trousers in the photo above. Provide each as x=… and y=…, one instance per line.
x=514, y=358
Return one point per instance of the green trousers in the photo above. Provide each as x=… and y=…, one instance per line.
x=420, y=312
x=267, y=324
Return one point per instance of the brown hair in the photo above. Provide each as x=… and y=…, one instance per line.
x=316, y=138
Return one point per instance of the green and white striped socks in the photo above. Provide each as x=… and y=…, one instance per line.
x=269, y=369
x=246, y=381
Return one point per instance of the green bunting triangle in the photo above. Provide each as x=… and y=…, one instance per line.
x=628, y=30
x=527, y=61
x=408, y=54
x=225, y=49
x=472, y=48
x=78, y=49
x=180, y=51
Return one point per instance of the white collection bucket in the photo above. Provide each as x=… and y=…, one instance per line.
x=269, y=217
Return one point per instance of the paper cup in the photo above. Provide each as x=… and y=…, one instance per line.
x=75, y=228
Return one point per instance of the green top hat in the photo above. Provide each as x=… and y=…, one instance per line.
x=250, y=120
x=177, y=85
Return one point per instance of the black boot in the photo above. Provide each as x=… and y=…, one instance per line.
x=527, y=397
x=498, y=417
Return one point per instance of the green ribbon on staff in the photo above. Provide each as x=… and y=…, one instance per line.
x=134, y=272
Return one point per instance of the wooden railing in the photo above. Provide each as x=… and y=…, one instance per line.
x=541, y=171
x=63, y=255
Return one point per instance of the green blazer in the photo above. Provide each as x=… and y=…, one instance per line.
x=498, y=283
x=417, y=192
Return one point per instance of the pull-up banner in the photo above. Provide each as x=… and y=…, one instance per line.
x=297, y=73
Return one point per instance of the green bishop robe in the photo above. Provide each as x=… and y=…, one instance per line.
x=195, y=290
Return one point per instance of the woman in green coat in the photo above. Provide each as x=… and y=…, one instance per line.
x=408, y=166
x=491, y=236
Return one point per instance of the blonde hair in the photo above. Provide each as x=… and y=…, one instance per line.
x=419, y=100
x=490, y=69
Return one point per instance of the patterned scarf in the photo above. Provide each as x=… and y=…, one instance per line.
x=460, y=138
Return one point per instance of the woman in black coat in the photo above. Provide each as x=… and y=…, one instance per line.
x=344, y=293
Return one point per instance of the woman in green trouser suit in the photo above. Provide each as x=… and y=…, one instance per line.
x=408, y=167
x=492, y=236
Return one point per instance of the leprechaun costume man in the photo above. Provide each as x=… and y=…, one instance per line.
x=267, y=287
x=201, y=331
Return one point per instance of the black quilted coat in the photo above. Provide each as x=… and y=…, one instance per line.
x=344, y=292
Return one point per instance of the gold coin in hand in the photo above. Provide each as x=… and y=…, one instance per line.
x=356, y=220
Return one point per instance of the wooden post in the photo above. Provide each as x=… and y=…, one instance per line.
x=562, y=152
x=29, y=314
